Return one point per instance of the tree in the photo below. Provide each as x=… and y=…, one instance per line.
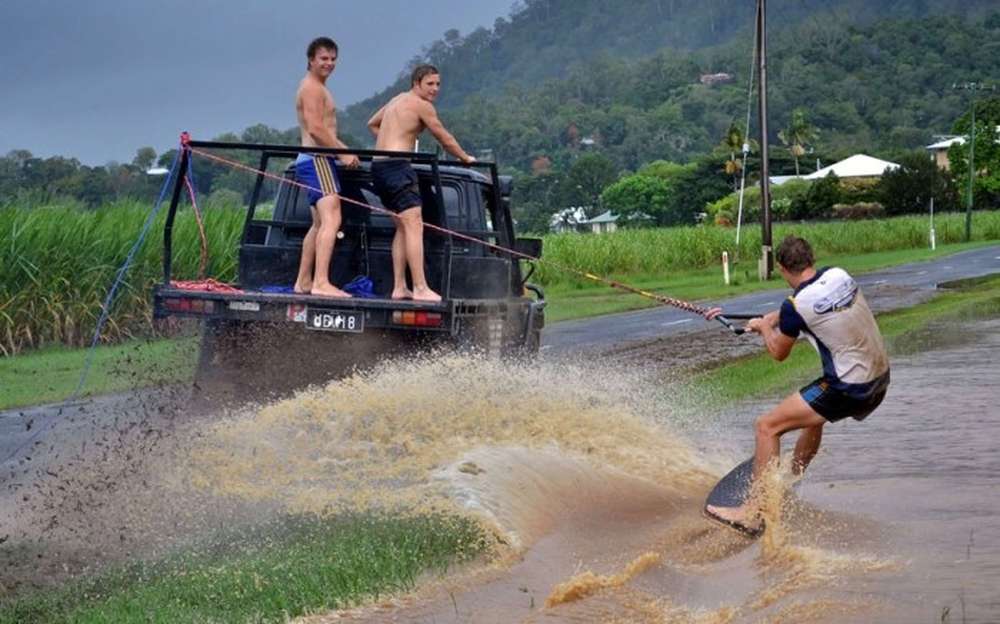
x=585, y=181
x=144, y=158
x=534, y=200
x=640, y=198
x=798, y=135
x=909, y=188
x=986, y=184
x=733, y=142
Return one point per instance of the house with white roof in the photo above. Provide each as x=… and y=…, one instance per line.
x=575, y=220
x=857, y=166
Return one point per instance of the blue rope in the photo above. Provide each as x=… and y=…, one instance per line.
x=106, y=308
x=120, y=277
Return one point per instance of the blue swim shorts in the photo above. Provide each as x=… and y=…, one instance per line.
x=319, y=173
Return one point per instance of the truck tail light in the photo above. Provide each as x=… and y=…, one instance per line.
x=190, y=306
x=417, y=318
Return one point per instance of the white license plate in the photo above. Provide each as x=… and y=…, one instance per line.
x=335, y=320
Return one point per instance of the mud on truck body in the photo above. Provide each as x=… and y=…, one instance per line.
x=258, y=341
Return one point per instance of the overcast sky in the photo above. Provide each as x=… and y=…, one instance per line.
x=97, y=79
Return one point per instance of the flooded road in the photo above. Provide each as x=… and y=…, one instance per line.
x=898, y=520
x=592, y=477
x=927, y=470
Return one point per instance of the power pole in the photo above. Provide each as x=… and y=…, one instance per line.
x=973, y=87
x=767, y=257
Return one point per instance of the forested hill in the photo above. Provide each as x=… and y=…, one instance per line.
x=883, y=87
x=545, y=39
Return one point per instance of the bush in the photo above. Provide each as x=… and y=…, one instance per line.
x=859, y=190
x=726, y=210
x=910, y=188
x=818, y=202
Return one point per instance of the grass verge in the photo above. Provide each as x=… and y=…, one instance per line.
x=52, y=374
x=303, y=566
x=760, y=375
x=569, y=301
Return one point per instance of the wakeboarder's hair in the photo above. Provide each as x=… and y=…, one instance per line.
x=795, y=254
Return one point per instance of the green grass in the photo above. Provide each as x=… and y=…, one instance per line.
x=577, y=300
x=662, y=251
x=302, y=566
x=52, y=374
x=761, y=375
x=58, y=260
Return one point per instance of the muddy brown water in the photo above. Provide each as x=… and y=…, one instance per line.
x=897, y=521
x=594, y=476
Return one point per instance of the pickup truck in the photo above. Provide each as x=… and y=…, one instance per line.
x=258, y=337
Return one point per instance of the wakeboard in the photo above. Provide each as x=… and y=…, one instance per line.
x=732, y=491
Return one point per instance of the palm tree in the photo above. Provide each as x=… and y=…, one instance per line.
x=798, y=135
x=733, y=142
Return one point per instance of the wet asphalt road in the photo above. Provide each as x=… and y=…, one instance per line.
x=887, y=289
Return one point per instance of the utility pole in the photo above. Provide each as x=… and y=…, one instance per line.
x=767, y=257
x=973, y=87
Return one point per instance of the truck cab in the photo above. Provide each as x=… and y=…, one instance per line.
x=259, y=334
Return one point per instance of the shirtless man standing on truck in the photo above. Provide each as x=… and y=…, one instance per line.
x=317, y=116
x=396, y=127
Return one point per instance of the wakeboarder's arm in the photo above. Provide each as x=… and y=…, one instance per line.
x=778, y=344
x=430, y=119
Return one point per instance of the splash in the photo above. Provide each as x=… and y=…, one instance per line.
x=387, y=438
x=785, y=557
x=572, y=463
x=588, y=583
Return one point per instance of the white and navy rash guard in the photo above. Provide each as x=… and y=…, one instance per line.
x=833, y=314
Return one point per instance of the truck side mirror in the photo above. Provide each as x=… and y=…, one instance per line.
x=529, y=247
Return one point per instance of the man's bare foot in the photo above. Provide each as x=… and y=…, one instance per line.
x=425, y=294
x=302, y=288
x=401, y=293
x=329, y=291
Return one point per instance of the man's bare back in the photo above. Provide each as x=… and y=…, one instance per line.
x=401, y=123
x=397, y=125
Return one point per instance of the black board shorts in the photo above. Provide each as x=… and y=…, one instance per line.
x=396, y=184
x=834, y=405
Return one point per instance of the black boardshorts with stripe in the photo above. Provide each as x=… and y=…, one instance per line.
x=396, y=183
x=834, y=405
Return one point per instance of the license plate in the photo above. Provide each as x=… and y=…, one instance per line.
x=335, y=320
